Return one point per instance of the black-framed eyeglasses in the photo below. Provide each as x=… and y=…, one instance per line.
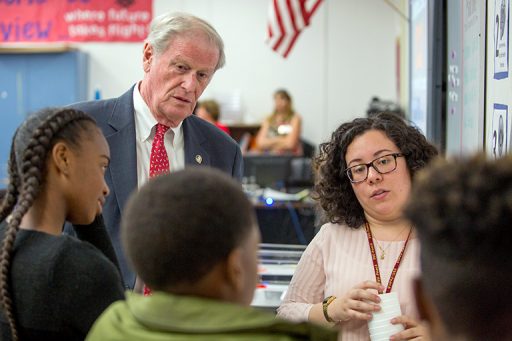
x=383, y=164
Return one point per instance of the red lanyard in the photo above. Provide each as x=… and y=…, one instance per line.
x=376, y=264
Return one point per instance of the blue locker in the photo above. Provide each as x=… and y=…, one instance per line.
x=31, y=81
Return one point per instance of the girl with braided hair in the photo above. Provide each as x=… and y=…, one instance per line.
x=54, y=286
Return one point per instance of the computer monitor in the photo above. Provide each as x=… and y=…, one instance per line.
x=268, y=170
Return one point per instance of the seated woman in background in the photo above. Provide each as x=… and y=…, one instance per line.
x=368, y=247
x=280, y=132
x=54, y=286
x=209, y=111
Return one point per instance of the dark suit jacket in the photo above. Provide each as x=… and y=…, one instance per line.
x=115, y=117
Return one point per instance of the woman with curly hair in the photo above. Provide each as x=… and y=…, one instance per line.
x=54, y=286
x=364, y=176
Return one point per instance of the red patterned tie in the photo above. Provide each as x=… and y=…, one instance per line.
x=158, y=163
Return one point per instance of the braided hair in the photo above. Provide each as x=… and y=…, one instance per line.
x=30, y=147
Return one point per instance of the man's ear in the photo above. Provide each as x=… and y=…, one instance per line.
x=147, y=56
x=234, y=270
x=60, y=157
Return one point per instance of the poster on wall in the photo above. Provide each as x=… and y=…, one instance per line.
x=33, y=21
x=498, y=85
x=499, y=143
x=501, y=26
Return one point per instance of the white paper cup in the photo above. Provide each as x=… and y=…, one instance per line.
x=379, y=326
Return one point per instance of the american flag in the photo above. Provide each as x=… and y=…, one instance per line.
x=286, y=20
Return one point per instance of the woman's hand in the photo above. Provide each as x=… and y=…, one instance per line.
x=358, y=303
x=413, y=329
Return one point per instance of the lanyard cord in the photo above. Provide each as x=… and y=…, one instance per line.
x=376, y=264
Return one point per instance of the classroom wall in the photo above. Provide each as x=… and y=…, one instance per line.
x=346, y=56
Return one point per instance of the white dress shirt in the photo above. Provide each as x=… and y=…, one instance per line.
x=145, y=127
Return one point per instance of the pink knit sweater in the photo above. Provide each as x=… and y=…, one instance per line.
x=337, y=259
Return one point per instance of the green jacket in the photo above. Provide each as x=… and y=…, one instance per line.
x=168, y=317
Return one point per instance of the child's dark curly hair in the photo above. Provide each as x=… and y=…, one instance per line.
x=462, y=211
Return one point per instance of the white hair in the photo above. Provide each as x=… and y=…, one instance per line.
x=169, y=25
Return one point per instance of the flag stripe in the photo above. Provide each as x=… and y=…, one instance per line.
x=280, y=25
x=286, y=20
x=287, y=16
x=309, y=13
x=291, y=12
x=294, y=13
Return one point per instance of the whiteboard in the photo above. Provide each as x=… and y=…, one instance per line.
x=466, y=77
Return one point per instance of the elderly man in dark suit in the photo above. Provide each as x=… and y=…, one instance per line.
x=150, y=129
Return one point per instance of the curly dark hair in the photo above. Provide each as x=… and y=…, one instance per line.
x=333, y=189
x=461, y=209
x=180, y=243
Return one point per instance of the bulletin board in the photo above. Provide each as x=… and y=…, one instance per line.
x=498, y=83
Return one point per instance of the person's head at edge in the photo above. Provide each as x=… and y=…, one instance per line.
x=57, y=165
x=203, y=244
x=208, y=110
x=361, y=141
x=461, y=210
x=180, y=56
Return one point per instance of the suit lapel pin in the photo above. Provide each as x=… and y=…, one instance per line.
x=199, y=159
